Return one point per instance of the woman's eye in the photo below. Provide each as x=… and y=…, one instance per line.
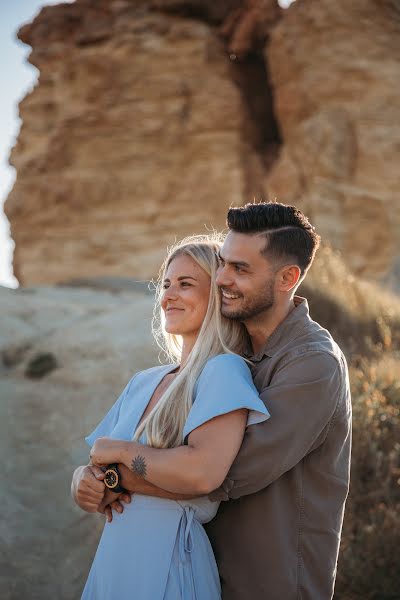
x=165, y=286
x=185, y=283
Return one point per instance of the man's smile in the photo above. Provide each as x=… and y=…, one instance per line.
x=229, y=295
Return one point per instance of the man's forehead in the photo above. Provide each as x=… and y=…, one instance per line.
x=238, y=246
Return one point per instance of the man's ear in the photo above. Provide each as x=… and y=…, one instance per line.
x=288, y=277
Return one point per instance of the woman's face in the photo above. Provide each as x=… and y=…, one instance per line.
x=185, y=297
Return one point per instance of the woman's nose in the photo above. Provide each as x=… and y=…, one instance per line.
x=171, y=293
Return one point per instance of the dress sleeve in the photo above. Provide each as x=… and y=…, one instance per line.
x=225, y=385
x=107, y=424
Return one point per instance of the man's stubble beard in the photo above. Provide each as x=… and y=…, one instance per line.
x=260, y=303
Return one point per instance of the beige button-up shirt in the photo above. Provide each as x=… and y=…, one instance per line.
x=277, y=536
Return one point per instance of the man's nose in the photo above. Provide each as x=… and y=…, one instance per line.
x=222, y=278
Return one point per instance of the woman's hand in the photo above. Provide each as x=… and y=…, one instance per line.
x=106, y=451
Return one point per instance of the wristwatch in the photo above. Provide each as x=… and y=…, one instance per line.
x=113, y=478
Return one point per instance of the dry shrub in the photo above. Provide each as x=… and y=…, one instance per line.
x=369, y=565
x=363, y=318
x=366, y=323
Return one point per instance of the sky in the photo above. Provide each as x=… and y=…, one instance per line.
x=17, y=78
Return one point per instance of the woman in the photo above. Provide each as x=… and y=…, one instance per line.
x=179, y=427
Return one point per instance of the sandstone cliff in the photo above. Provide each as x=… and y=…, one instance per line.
x=336, y=78
x=134, y=136
x=151, y=117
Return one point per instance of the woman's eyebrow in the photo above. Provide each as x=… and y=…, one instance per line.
x=166, y=280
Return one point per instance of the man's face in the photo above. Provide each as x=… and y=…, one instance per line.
x=246, y=278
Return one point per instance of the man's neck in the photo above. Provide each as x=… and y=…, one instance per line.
x=261, y=328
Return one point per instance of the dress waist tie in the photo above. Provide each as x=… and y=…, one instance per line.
x=186, y=547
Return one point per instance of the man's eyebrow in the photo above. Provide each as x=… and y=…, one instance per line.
x=240, y=263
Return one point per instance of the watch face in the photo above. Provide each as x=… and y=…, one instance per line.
x=111, y=478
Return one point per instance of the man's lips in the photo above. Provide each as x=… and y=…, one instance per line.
x=229, y=295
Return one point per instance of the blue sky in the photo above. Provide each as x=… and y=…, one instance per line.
x=18, y=76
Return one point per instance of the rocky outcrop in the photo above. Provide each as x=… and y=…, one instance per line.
x=333, y=68
x=152, y=117
x=99, y=339
x=134, y=136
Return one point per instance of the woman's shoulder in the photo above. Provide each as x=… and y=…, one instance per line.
x=222, y=360
x=150, y=373
x=229, y=364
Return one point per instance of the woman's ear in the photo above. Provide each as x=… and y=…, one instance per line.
x=288, y=277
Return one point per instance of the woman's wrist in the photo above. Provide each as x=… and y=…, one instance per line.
x=126, y=452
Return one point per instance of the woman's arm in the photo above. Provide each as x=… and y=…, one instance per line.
x=195, y=469
x=137, y=485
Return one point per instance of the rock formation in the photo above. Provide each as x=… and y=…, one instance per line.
x=335, y=75
x=151, y=117
x=99, y=339
x=134, y=136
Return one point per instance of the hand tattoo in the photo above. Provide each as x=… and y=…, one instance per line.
x=139, y=466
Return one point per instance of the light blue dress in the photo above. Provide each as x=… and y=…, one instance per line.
x=157, y=549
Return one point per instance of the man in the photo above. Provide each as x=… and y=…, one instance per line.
x=276, y=536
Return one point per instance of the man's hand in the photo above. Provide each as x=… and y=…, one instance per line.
x=87, y=487
x=113, y=501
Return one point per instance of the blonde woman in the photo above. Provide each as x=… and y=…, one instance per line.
x=179, y=427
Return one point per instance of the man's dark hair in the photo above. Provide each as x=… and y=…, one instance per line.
x=289, y=234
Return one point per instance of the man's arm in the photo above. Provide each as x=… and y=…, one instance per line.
x=301, y=399
x=87, y=487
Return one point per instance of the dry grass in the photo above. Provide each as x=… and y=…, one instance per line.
x=370, y=561
x=363, y=318
x=366, y=323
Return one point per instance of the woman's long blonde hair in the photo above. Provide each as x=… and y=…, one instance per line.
x=164, y=424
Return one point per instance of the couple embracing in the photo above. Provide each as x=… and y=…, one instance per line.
x=225, y=473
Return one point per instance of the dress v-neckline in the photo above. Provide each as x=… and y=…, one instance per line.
x=147, y=397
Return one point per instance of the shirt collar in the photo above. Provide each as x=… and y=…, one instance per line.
x=286, y=330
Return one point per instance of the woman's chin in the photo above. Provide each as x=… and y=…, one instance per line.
x=173, y=330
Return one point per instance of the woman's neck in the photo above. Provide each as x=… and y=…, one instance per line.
x=187, y=346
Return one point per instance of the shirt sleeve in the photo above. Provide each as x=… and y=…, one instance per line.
x=224, y=385
x=107, y=424
x=302, y=399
